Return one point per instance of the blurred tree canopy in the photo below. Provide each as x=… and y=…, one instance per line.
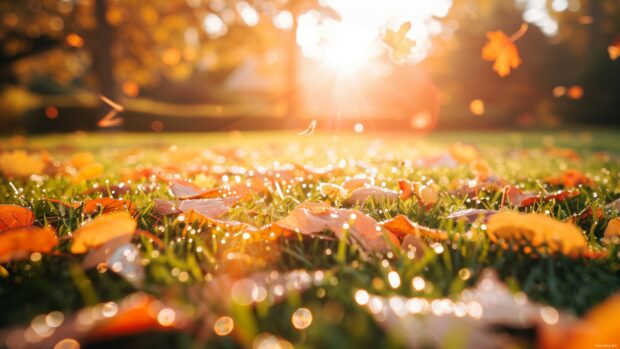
x=135, y=48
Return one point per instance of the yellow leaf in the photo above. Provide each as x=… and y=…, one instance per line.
x=21, y=164
x=536, y=230
x=87, y=172
x=101, y=230
x=501, y=49
x=19, y=243
x=613, y=228
x=398, y=42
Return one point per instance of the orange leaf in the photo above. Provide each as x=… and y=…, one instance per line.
x=501, y=50
x=13, y=216
x=398, y=42
x=401, y=225
x=108, y=205
x=101, y=230
x=537, y=230
x=20, y=242
x=613, y=228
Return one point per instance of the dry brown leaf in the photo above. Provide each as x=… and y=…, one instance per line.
x=13, y=216
x=19, y=243
x=361, y=195
x=212, y=208
x=536, y=230
x=313, y=218
x=101, y=230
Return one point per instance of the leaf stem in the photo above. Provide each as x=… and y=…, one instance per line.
x=522, y=30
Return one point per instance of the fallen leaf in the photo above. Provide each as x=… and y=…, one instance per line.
x=501, y=50
x=402, y=226
x=183, y=189
x=81, y=159
x=477, y=317
x=596, y=328
x=212, y=208
x=536, y=230
x=332, y=191
x=313, y=218
x=427, y=194
x=19, y=243
x=21, y=164
x=101, y=230
x=13, y=216
x=472, y=215
x=361, y=195
x=87, y=172
x=108, y=205
x=357, y=182
x=613, y=228
x=464, y=153
x=400, y=45
x=569, y=179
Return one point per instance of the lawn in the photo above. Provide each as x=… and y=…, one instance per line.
x=215, y=244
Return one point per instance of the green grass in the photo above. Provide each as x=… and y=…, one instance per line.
x=58, y=283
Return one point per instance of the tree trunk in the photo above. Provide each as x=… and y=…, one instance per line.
x=103, y=60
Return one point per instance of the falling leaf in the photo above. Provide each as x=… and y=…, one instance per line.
x=19, y=243
x=309, y=130
x=501, y=50
x=313, y=218
x=401, y=226
x=614, y=49
x=101, y=230
x=21, y=164
x=536, y=230
x=13, y=216
x=400, y=45
x=477, y=107
x=110, y=120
